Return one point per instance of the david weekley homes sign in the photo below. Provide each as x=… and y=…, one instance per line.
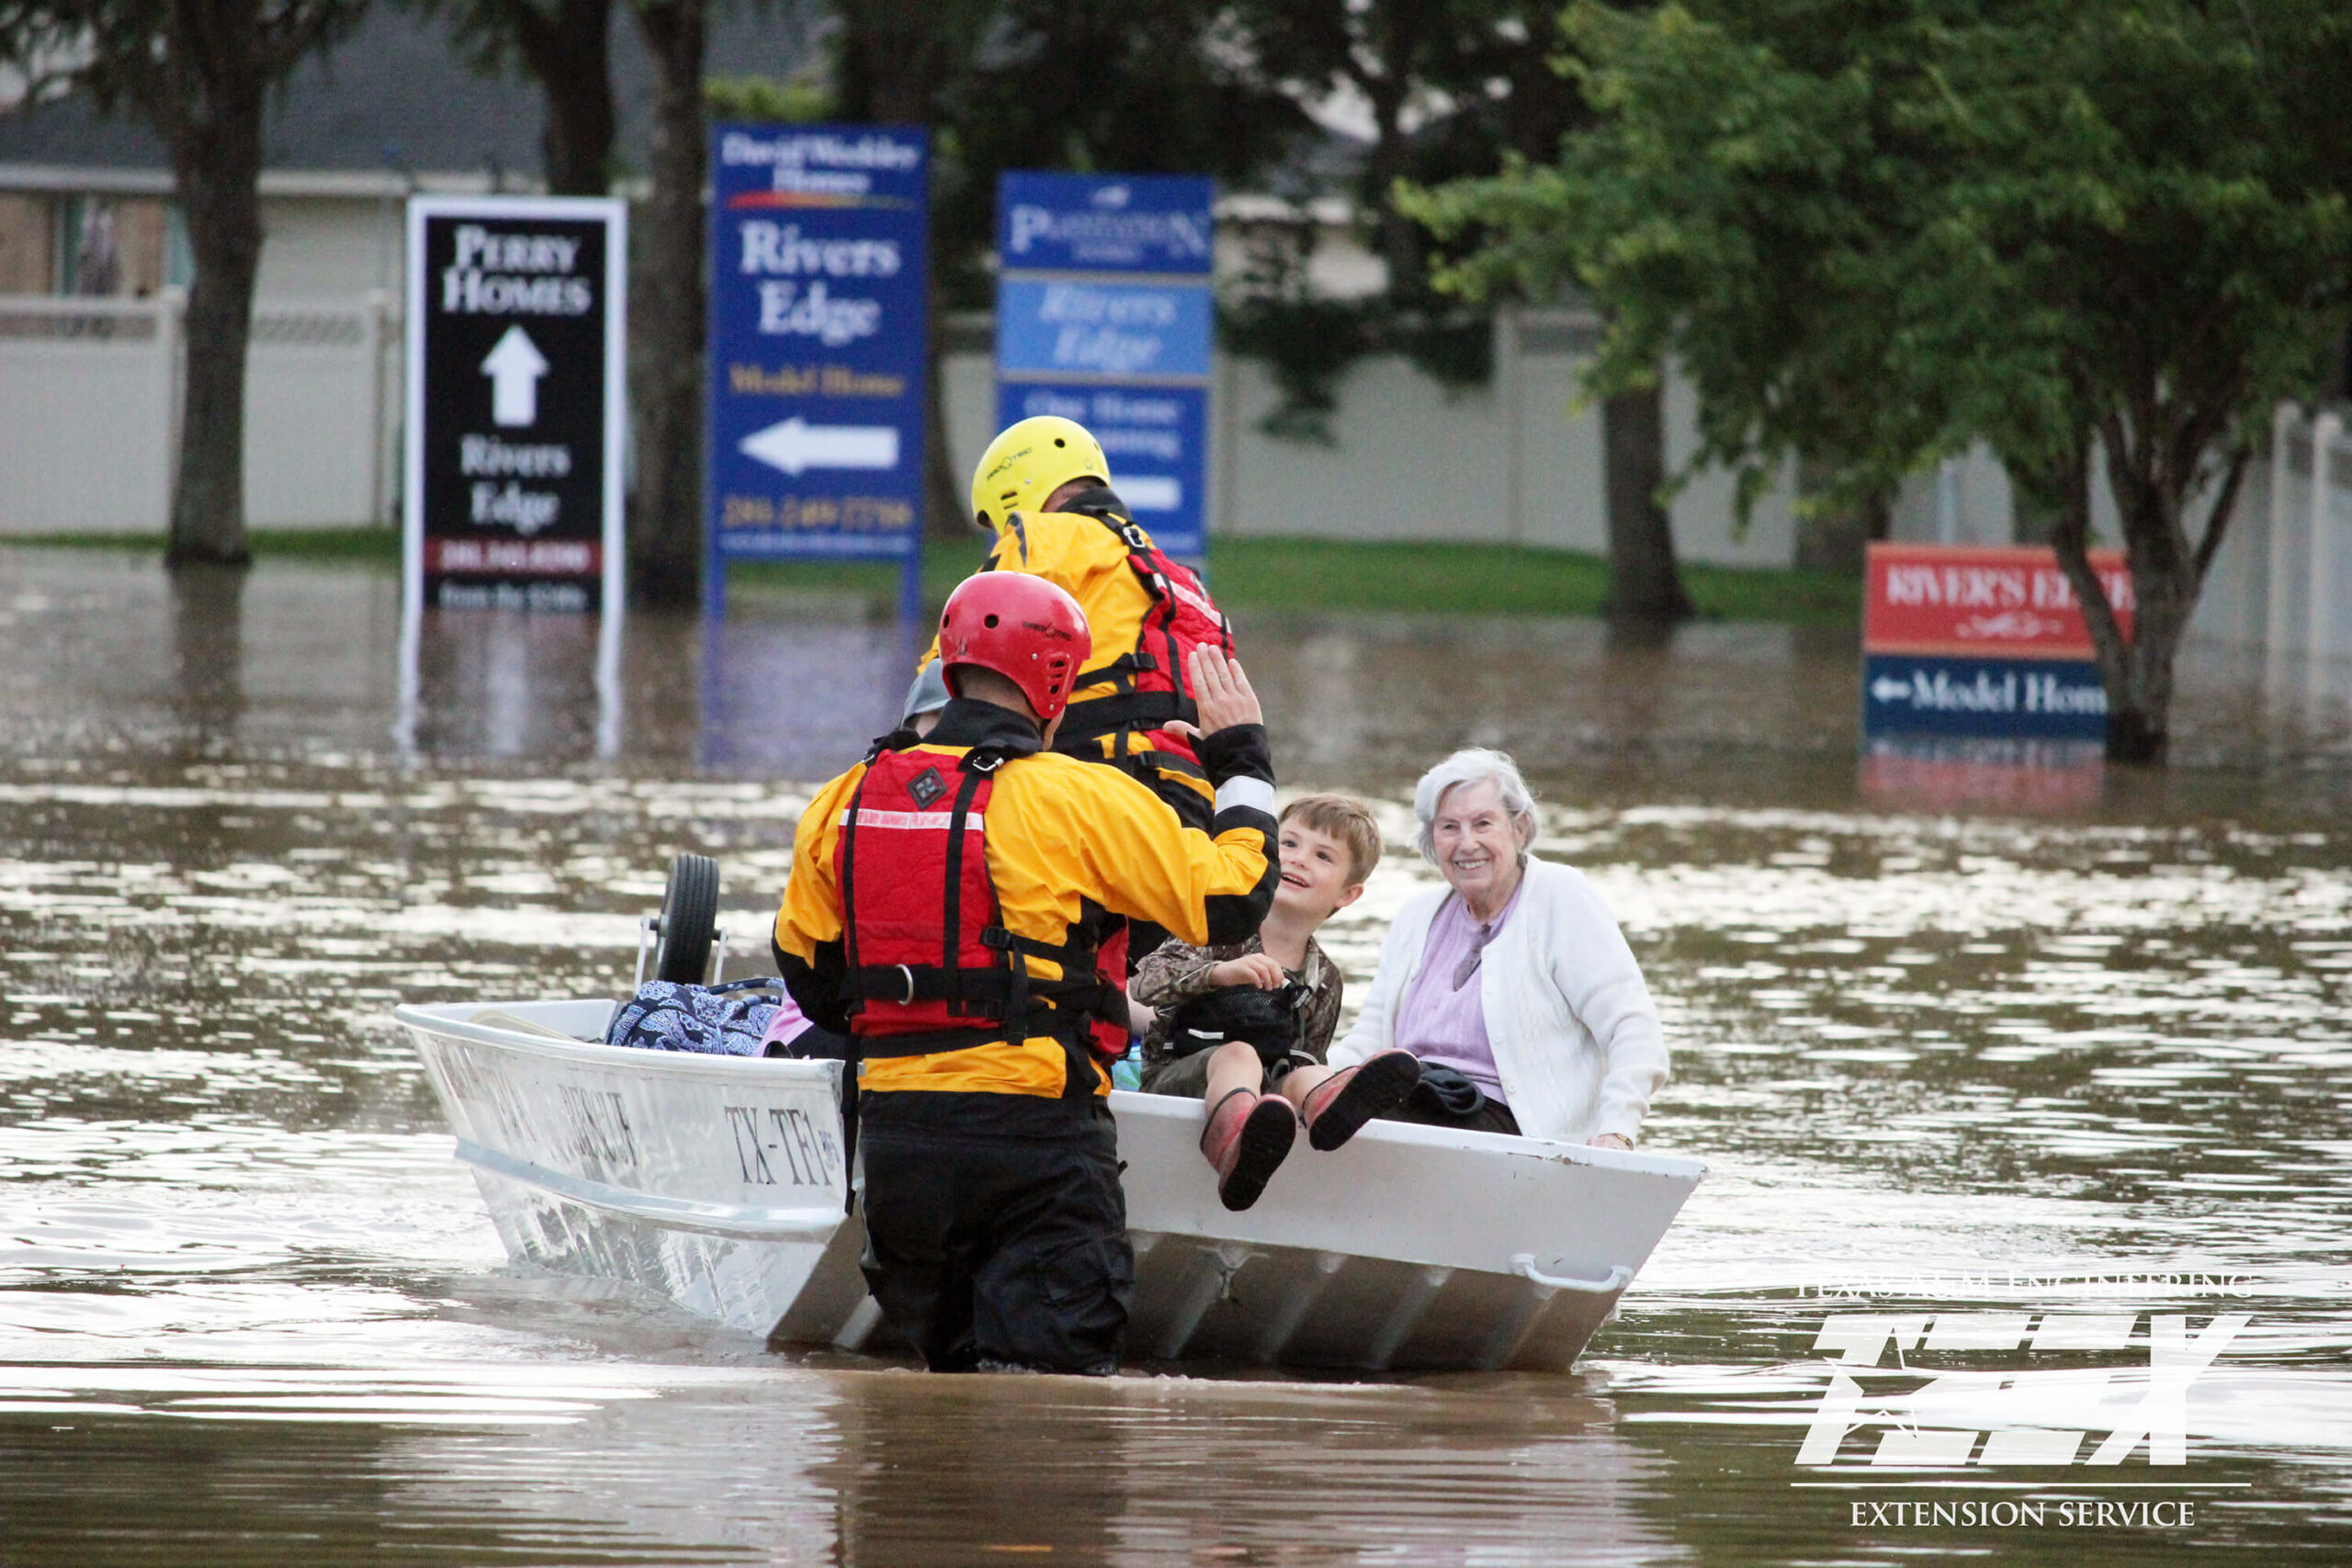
x=820, y=335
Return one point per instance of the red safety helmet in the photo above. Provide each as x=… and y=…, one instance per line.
x=1027, y=629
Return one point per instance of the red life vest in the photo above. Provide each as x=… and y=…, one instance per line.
x=1155, y=677
x=932, y=967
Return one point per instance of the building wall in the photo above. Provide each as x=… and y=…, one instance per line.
x=26, y=243
x=331, y=247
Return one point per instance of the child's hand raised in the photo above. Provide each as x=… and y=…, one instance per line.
x=1250, y=969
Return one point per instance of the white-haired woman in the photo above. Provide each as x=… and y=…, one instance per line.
x=1512, y=979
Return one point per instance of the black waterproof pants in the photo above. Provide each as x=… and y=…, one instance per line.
x=993, y=1248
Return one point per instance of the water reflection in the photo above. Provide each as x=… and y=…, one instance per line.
x=251, y=1310
x=891, y=1468
x=798, y=690
x=207, y=645
x=1959, y=773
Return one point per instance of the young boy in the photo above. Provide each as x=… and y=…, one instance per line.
x=1282, y=992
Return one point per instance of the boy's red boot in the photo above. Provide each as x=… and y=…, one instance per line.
x=1247, y=1136
x=1337, y=1108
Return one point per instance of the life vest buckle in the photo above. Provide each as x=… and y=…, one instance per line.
x=909, y=998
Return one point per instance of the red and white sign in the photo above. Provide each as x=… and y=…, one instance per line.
x=536, y=558
x=1987, y=602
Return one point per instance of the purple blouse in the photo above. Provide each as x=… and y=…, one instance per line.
x=1444, y=1022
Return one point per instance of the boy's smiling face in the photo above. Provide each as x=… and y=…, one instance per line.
x=1314, y=875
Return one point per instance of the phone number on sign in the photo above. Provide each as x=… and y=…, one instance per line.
x=852, y=513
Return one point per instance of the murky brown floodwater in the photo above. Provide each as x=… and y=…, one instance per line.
x=251, y=1311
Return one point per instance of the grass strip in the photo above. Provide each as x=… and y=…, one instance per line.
x=1497, y=580
x=1278, y=574
x=382, y=546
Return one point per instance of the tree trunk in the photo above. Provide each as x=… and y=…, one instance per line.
x=891, y=59
x=570, y=54
x=948, y=496
x=666, y=309
x=2127, y=739
x=214, y=129
x=2168, y=576
x=1839, y=540
x=1645, y=584
x=208, y=643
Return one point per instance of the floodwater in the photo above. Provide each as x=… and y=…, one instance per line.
x=1982, y=1049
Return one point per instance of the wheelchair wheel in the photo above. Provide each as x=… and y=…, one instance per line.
x=689, y=922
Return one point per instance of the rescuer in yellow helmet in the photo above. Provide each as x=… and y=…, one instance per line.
x=1035, y=464
x=1044, y=488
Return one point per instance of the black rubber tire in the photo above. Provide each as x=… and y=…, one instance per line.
x=689, y=922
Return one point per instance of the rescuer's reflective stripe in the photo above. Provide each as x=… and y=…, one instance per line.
x=870, y=819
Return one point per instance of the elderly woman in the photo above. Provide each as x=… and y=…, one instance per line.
x=1512, y=978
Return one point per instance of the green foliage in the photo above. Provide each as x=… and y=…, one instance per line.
x=1141, y=87
x=799, y=101
x=1449, y=85
x=1875, y=230
x=173, y=61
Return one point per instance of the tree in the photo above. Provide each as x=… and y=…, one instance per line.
x=1446, y=87
x=1451, y=87
x=566, y=45
x=666, y=321
x=892, y=62
x=197, y=71
x=1137, y=86
x=2097, y=234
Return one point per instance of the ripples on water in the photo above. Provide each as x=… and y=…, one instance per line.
x=250, y=1310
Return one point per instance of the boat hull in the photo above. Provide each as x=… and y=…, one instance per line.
x=719, y=1182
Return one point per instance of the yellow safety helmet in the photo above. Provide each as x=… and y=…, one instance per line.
x=1030, y=461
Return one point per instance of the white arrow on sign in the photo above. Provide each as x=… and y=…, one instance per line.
x=1887, y=689
x=514, y=367
x=795, y=446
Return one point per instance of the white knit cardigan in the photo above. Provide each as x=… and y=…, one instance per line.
x=1576, y=1037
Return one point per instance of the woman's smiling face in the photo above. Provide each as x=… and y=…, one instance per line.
x=1477, y=846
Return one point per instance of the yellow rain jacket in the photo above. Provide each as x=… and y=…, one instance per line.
x=1066, y=843
x=1087, y=557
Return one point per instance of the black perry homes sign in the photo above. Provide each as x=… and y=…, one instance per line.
x=514, y=378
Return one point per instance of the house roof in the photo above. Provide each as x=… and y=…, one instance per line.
x=390, y=103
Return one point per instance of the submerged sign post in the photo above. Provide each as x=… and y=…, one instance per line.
x=515, y=327
x=1104, y=315
x=819, y=339
x=1983, y=642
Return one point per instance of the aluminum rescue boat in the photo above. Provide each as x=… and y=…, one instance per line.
x=720, y=1182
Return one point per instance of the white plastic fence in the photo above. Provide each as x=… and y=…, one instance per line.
x=90, y=407
x=2309, y=580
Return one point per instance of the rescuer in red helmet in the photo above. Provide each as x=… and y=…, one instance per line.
x=945, y=908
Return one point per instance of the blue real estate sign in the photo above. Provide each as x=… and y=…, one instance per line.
x=1104, y=315
x=817, y=336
